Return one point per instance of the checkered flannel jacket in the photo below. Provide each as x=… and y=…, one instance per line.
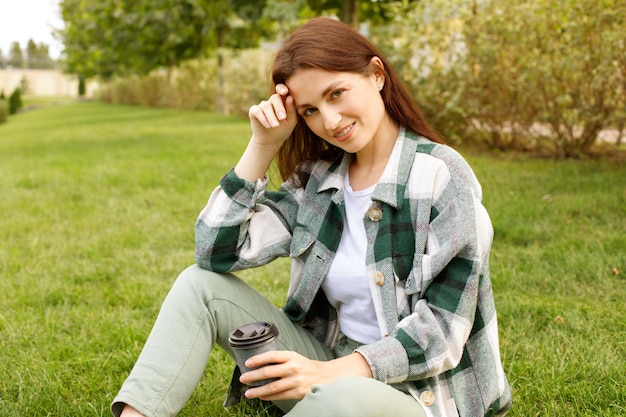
x=429, y=238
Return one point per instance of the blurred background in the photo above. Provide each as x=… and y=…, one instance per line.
x=547, y=76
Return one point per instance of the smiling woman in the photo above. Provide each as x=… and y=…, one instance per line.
x=302, y=52
x=390, y=309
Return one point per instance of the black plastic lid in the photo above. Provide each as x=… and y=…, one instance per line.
x=253, y=334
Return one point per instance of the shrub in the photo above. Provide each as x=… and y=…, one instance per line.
x=563, y=62
x=247, y=79
x=82, y=90
x=4, y=110
x=15, y=101
x=193, y=85
x=546, y=73
x=150, y=90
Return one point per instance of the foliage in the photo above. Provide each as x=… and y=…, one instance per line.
x=82, y=88
x=38, y=56
x=423, y=43
x=541, y=74
x=238, y=24
x=354, y=12
x=99, y=204
x=107, y=38
x=193, y=84
x=123, y=37
x=15, y=101
x=16, y=57
x=4, y=110
x=282, y=17
x=564, y=62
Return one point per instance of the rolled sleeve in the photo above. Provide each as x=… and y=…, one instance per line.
x=245, y=193
x=388, y=360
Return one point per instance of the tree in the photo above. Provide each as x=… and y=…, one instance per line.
x=108, y=38
x=122, y=37
x=352, y=12
x=16, y=57
x=38, y=56
x=15, y=101
x=235, y=24
x=347, y=10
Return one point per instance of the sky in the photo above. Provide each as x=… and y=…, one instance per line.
x=21, y=20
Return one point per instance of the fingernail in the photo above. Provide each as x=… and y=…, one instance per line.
x=281, y=115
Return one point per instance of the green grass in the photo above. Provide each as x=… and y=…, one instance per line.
x=97, y=212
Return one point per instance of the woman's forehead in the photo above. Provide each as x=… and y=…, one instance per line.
x=313, y=83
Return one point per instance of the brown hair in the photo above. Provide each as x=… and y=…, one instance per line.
x=329, y=45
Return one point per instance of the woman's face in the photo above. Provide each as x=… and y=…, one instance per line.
x=343, y=108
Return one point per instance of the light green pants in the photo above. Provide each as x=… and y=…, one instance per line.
x=200, y=311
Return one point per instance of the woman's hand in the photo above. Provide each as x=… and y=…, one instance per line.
x=273, y=120
x=297, y=374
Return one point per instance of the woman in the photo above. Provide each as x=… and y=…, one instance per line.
x=390, y=309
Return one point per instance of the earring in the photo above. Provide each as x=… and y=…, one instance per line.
x=380, y=87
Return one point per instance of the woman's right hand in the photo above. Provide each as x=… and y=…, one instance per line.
x=273, y=120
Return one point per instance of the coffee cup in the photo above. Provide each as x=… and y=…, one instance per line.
x=250, y=340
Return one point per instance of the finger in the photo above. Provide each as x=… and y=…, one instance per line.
x=266, y=114
x=279, y=107
x=266, y=358
x=282, y=90
x=273, y=390
x=280, y=389
x=270, y=110
x=290, y=107
x=256, y=112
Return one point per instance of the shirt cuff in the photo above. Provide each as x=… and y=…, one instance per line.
x=388, y=360
x=241, y=191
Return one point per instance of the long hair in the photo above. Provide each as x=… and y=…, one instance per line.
x=329, y=45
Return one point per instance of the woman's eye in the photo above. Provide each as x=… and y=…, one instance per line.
x=338, y=93
x=308, y=112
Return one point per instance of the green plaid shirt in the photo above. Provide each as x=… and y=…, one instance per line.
x=427, y=261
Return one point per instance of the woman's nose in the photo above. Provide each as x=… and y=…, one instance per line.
x=332, y=119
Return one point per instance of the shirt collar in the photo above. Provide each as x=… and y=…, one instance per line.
x=390, y=188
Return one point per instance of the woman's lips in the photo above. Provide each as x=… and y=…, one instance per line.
x=344, y=133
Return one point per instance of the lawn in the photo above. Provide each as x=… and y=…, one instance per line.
x=97, y=213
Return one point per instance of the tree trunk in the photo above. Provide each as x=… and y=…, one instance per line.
x=220, y=103
x=350, y=13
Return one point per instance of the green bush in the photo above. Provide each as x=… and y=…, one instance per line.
x=15, y=101
x=541, y=74
x=82, y=89
x=4, y=110
x=194, y=85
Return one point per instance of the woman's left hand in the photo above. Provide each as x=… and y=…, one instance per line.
x=297, y=374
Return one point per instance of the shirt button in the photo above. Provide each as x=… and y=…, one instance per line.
x=375, y=214
x=379, y=278
x=427, y=398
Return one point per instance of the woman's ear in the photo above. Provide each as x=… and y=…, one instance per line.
x=377, y=71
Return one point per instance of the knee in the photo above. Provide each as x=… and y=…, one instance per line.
x=203, y=282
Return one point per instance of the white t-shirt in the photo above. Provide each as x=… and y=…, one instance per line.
x=346, y=285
